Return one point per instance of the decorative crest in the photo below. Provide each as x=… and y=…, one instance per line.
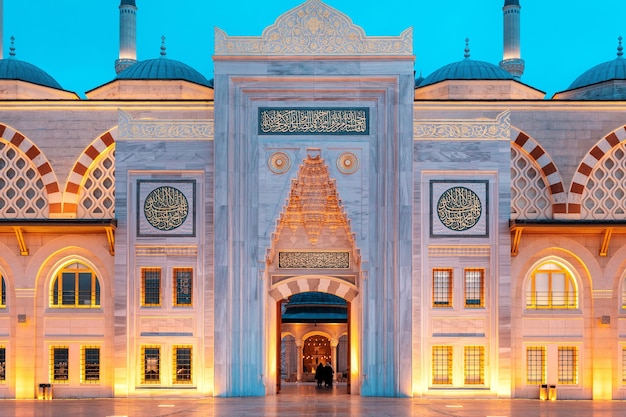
x=313, y=28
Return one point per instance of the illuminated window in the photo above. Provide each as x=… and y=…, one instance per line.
x=151, y=359
x=474, y=365
x=59, y=360
x=3, y=294
x=183, y=284
x=551, y=287
x=568, y=365
x=474, y=288
x=442, y=287
x=75, y=286
x=3, y=364
x=91, y=364
x=442, y=365
x=182, y=365
x=536, y=365
x=624, y=295
x=150, y=287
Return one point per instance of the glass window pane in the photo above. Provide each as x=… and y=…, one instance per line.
x=60, y=359
x=151, y=291
x=92, y=364
x=68, y=288
x=84, y=288
x=183, y=282
x=3, y=369
x=151, y=364
x=183, y=365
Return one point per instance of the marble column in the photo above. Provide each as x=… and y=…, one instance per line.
x=333, y=357
x=299, y=359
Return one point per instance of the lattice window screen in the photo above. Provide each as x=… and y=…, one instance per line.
x=23, y=192
x=530, y=195
x=96, y=200
x=604, y=193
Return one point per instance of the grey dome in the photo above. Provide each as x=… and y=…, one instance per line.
x=162, y=69
x=467, y=69
x=610, y=70
x=128, y=3
x=14, y=69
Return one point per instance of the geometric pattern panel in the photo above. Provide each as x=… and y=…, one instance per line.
x=96, y=199
x=603, y=197
x=530, y=194
x=23, y=191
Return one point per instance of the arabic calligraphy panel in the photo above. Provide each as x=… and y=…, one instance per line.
x=166, y=208
x=459, y=208
x=313, y=121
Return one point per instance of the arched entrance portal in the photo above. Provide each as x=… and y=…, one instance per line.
x=314, y=334
x=320, y=330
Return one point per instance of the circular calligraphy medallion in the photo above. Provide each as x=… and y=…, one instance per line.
x=348, y=163
x=459, y=208
x=279, y=162
x=166, y=208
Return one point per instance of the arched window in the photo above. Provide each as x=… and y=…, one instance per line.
x=76, y=285
x=551, y=286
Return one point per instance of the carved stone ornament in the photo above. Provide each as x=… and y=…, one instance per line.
x=314, y=260
x=129, y=129
x=348, y=163
x=500, y=128
x=313, y=28
x=279, y=162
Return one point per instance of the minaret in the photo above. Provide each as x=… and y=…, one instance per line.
x=512, y=61
x=128, y=35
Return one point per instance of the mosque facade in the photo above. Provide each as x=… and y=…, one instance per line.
x=463, y=235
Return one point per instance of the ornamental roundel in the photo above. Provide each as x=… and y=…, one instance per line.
x=459, y=208
x=348, y=163
x=166, y=208
x=279, y=162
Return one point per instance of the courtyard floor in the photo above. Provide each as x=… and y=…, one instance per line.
x=300, y=400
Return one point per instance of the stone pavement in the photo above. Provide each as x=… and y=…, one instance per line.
x=306, y=400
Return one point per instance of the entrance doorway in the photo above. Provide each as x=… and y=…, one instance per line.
x=313, y=331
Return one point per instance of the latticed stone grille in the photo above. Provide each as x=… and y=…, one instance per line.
x=530, y=196
x=96, y=200
x=604, y=193
x=23, y=191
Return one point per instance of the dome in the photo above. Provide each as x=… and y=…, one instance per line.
x=14, y=69
x=162, y=69
x=467, y=69
x=610, y=70
x=315, y=307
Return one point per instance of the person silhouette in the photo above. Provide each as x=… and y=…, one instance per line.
x=319, y=374
x=328, y=375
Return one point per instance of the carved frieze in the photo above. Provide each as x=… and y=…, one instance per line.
x=129, y=129
x=498, y=129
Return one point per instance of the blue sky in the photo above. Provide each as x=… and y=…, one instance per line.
x=76, y=41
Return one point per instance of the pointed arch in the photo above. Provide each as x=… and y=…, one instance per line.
x=546, y=165
x=586, y=166
x=318, y=283
x=41, y=163
x=84, y=164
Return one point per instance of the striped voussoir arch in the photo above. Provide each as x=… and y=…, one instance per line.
x=309, y=283
x=601, y=148
x=80, y=168
x=43, y=166
x=547, y=166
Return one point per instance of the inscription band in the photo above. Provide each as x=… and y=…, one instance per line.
x=313, y=121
